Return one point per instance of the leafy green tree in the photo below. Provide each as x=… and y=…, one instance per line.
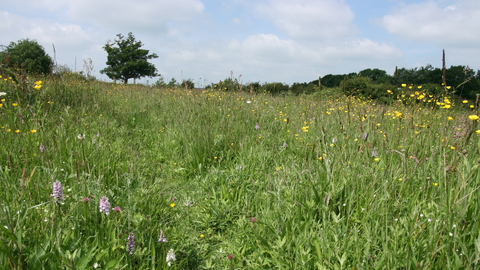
x=126, y=60
x=27, y=55
x=377, y=75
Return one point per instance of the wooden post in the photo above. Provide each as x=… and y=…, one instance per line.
x=319, y=82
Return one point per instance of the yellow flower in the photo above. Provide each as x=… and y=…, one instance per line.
x=473, y=117
x=472, y=106
x=37, y=86
x=448, y=87
x=419, y=87
x=435, y=184
x=404, y=84
x=14, y=104
x=477, y=131
x=8, y=130
x=172, y=205
x=452, y=147
x=465, y=101
x=450, y=118
x=376, y=159
x=201, y=235
x=33, y=130
x=17, y=131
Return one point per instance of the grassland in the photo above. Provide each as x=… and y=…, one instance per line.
x=235, y=180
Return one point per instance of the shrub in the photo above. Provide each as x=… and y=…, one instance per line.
x=27, y=55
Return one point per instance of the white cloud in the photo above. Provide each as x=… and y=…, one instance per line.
x=310, y=19
x=130, y=15
x=454, y=25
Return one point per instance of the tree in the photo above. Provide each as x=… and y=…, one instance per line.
x=27, y=55
x=126, y=60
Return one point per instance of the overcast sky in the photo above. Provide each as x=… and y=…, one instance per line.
x=262, y=40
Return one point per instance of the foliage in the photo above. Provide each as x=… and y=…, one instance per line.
x=27, y=55
x=236, y=180
x=126, y=60
x=188, y=84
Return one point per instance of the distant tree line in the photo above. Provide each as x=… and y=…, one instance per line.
x=373, y=83
x=462, y=80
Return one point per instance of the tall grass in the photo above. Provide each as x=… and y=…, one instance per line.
x=235, y=180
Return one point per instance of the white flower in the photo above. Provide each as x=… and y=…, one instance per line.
x=96, y=265
x=170, y=257
x=249, y=101
x=2, y=94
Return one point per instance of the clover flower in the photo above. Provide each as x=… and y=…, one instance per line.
x=57, y=192
x=104, y=205
x=170, y=257
x=130, y=244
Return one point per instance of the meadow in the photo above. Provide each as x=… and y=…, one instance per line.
x=97, y=175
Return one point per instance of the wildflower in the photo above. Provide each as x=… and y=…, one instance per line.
x=404, y=85
x=365, y=136
x=85, y=199
x=477, y=131
x=465, y=101
x=257, y=126
x=284, y=145
x=374, y=152
x=2, y=94
x=376, y=159
x=81, y=136
x=162, y=237
x=170, y=257
x=104, y=205
x=57, y=192
x=41, y=148
x=117, y=209
x=96, y=265
x=473, y=117
x=202, y=236
x=450, y=118
x=230, y=256
x=130, y=243
x=14, y=104
x=435, y=184
x=33, y=130
x=253, y=219
x=172, y=205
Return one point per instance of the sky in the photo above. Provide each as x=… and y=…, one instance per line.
x=252, y=40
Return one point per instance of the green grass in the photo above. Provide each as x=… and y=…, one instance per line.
x=301, y=191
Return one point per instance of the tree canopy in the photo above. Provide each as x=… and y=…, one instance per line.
x=27, y=55
x=126, y=60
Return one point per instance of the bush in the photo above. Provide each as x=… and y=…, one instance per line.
x=357, y=86
x=27, y=55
